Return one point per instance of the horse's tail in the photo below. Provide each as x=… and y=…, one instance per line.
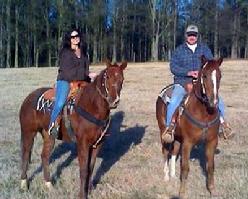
x=161, y=113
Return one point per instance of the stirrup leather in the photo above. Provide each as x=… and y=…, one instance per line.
x=226, y=131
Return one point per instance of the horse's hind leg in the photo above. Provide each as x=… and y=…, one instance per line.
x=27, y=140
x=186, y=148
x=48, y=144
x=174, y=153
x=209, y=151
x=165, y=152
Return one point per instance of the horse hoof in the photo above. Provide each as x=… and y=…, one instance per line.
x=214, y=193
x=173, y=176
x=182, y=192
x=181, y=195
x=49, y=185
x=166, y=178
x=24, y=185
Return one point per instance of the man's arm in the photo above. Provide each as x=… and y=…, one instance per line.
x=207, y=53
x=176, y=64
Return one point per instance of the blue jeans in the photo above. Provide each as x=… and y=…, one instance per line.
x=62, y=91
x=177, y=97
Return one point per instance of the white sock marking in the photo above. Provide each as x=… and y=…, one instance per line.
x=173, y=166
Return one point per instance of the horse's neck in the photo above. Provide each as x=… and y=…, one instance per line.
x=196, y=107
x=91, y=101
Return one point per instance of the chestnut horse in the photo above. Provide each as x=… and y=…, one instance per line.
x=88, y=118
x=197, y=119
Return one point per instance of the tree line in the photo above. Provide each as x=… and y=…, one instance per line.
x=31, y=31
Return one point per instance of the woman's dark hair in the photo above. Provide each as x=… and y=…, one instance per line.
x=66, y=43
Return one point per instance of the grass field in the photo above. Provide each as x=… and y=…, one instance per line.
x=130, y=165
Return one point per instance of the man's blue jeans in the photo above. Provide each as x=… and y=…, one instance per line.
x=62, y=91
x=176, y=98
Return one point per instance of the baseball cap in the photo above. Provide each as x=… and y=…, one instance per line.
x=192, y=29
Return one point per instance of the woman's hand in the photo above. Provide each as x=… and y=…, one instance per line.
x=92, y=76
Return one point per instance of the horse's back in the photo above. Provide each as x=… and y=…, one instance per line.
x=32, y=98
x=161, y=105
x=28, y=113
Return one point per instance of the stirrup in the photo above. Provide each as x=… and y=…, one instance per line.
x=54, y=130
x=168, y=134
x=226, y=131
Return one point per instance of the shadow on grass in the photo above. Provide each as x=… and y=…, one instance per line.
x=114, y=146
x=57, y=153
x=198, y=153
x=117, y=144
x=175, y=197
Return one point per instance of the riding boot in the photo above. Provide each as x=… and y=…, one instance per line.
x=168, y=134
x=226, y=131
x=54, y=130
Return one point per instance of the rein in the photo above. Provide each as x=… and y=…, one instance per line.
x=103, y=85
x=88, y=116
x=202, y=98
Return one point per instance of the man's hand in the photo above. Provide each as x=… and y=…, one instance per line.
x=193, y=73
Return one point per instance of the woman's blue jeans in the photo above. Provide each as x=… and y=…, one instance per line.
x=62, y=91
x=176, y=98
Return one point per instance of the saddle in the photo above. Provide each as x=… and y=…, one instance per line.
x=166, y=92
x=45, y=103
x=74, y=88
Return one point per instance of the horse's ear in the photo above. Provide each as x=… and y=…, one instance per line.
x=203, y=60
x=123, y=65
x=108, y=63
x=220, y=60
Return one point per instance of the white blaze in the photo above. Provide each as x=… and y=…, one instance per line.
x=214, y=79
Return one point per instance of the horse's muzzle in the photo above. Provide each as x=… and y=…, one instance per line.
x=115, y=103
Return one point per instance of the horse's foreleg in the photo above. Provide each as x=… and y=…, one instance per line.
x=27, y=140
x=83, y=158
x=92, y=164
x=48, y=144
x=186, y=148
x=209, y=151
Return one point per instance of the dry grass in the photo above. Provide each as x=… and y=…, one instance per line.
x=130, y=164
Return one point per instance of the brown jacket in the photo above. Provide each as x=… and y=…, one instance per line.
x=72, y=68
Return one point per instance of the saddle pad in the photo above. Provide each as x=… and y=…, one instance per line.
x=165, y=93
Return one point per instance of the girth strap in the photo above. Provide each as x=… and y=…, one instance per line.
x=68, y=126
x=202, y=125
x=89, y=116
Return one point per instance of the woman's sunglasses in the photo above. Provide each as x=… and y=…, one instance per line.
x=75, y=36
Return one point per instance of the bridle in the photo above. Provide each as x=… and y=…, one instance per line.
x=103, y=86
x=202, y=96
x=204, y=99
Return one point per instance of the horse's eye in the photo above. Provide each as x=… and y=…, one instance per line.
x=204, y=76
